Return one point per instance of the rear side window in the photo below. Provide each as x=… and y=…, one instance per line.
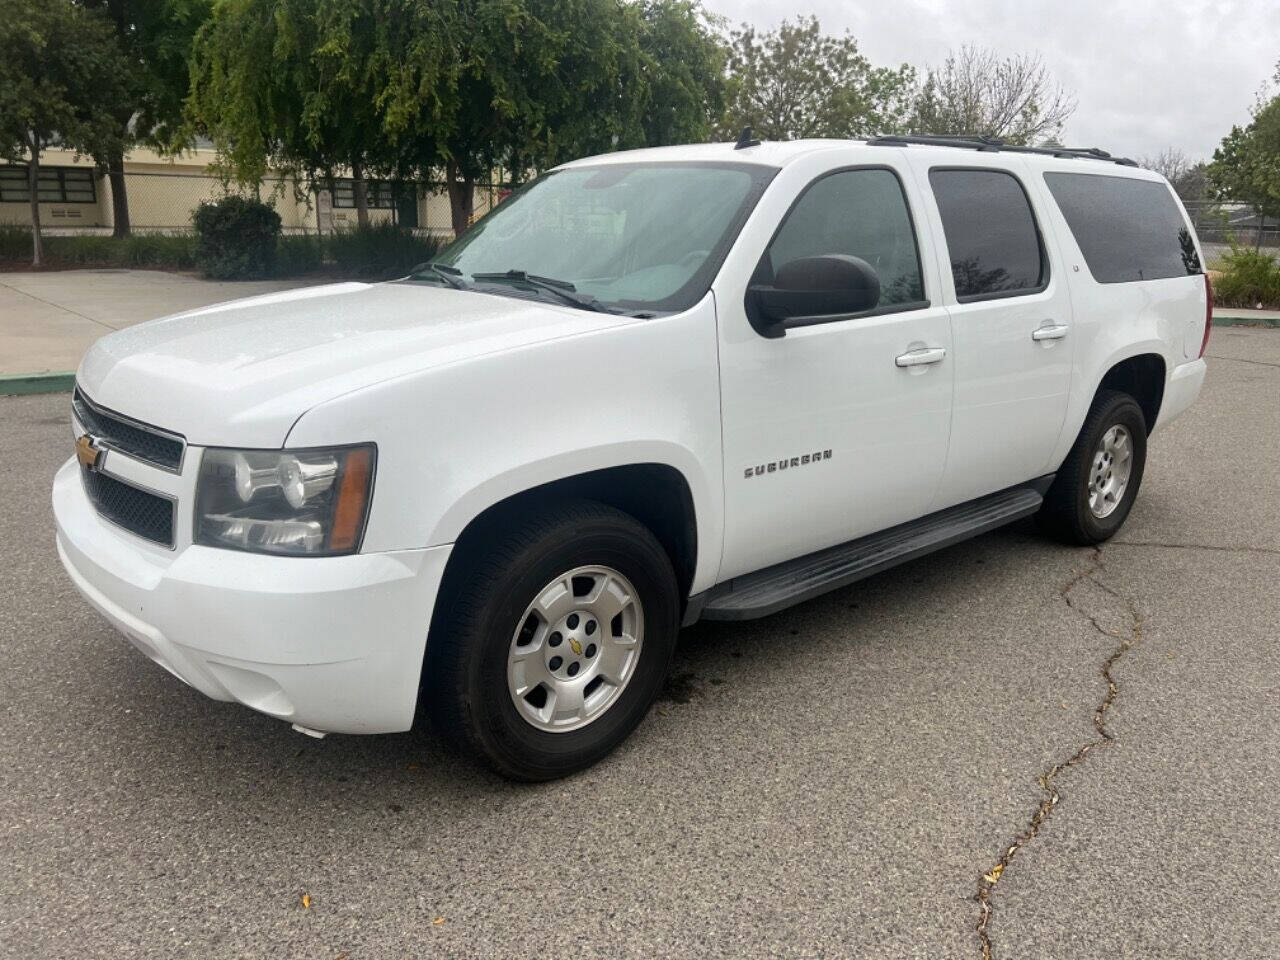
x=1127, y=229
x=861, y=213
x=991, y=233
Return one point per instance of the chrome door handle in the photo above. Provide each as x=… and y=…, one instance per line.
x=1049, y=331
x=914, y=358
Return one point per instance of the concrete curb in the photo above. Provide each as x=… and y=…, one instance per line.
x=23, y=383
x=1227, y=320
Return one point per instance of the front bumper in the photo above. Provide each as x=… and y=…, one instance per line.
x=334, y=643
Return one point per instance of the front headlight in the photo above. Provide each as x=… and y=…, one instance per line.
x=295, y=502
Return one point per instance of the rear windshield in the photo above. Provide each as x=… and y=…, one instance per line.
x=1127, y=229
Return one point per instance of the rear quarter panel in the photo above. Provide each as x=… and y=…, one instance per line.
x=1114, y=321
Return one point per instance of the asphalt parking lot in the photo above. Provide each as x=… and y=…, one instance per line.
x=831, y=781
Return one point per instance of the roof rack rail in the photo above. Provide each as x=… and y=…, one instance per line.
x=993, y=145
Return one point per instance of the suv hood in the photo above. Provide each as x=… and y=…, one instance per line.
x=241, y=373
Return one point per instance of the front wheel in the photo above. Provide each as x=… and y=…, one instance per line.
x=555, y=643
x=1094, y=490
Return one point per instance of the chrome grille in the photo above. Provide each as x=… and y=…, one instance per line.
x=139, y=440
x=149, y=515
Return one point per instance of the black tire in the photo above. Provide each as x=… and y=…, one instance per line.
x=464, y=682
x=1065, y=514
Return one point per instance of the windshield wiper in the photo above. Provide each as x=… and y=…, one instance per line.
x=562, y=289
x=450, y=275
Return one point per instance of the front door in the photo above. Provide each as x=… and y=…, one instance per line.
x=1011, y=320
x=838, y=428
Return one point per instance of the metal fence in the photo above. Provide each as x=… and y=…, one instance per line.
x=164, y=201
x=1219, y=224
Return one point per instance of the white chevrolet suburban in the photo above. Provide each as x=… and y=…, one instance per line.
x=704, y=381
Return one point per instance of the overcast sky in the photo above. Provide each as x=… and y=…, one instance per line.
x=1147, y=75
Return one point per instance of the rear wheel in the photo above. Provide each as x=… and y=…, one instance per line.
x=1094, y=490
x=555, y=643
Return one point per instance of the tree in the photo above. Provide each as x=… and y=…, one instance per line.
x=797, y=82
x=156, y=37
x=1186, y=178
x=682, y=67
x=976, y=91
x=1246, y=167
x=525, y=84
x=60, y=83
x=289, y=86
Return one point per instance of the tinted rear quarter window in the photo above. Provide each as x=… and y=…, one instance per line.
x=991, y=233
x=1127, y=229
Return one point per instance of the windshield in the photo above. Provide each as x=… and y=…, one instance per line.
x=633, y=237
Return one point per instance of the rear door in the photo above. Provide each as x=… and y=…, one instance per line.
x=1004, y=286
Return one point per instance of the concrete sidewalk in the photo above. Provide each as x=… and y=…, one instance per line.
x=49, y=319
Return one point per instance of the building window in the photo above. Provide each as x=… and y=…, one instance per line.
x=379, y=193
x=56, y=185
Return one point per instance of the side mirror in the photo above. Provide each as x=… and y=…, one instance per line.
x=811, y=290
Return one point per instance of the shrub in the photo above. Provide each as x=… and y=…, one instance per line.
x=379, y=252
x=15, y=242
x=154, y=250
x=236, y=238
x=1248, y=278
x=299, y=254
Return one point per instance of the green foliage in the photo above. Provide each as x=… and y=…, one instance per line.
x=156, y=37
x=1246, y=167
x=291, y=86
x=237, y=238
x=139, y=251
x=797, y=82
x=1248, y=278
x=298, y=254
x=379, y=252
x=60, y=78
x=459, y=87
x=682, y=62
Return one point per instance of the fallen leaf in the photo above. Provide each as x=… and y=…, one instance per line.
x=438, y=922
x=994, y=875
x=306, y=901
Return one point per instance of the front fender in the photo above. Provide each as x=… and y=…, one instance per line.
x=454, y=440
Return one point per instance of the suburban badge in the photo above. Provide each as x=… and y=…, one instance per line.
x=786, y=463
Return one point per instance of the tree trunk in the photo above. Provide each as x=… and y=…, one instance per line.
x=1262, y=222
x=361, y=190
x=462, y=198
x=119, y=194
x=33, y=185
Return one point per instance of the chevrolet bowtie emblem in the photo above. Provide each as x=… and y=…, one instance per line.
x=577, y=647
x=88, y=452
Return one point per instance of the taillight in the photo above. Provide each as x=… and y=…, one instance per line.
x=1208, y=312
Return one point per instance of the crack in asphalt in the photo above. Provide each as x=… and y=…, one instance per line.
x=987, y=881
x=1260, y=363
x=1195, y=546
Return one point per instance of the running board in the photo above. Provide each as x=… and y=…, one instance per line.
x=775, y=588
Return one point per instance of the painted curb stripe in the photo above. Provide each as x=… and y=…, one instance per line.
x=24, y=383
